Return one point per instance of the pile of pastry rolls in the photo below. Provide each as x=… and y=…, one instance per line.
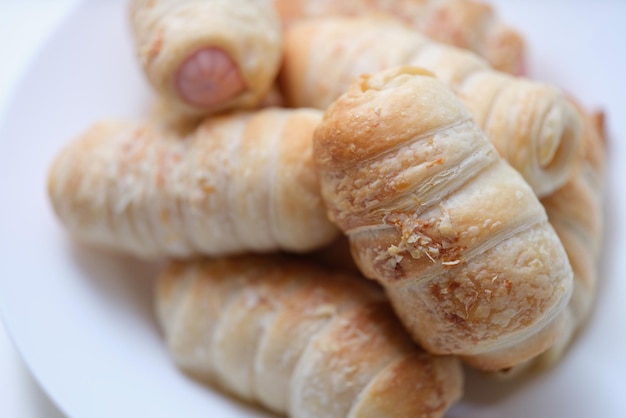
x=286, y=131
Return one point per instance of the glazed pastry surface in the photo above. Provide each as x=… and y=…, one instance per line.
x=299, y=340
x=532, y=125
x=458, y=239
x=238, y=182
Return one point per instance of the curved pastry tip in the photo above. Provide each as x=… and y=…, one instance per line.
x=560, y=139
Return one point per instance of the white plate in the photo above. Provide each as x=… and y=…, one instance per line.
x=82, y=319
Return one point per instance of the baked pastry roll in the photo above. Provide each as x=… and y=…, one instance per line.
x=576, y=212
x=532, y=125
x=455, y=235
x=239, y=182
x=467, y=24
x=299, y=340
x=204, y=56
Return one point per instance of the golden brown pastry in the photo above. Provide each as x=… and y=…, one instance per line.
x=239, y=182
x=299, y=340
x=454, y=234
x=204, y=56
x=576, y=213
x=464, y=23
x=532, y=125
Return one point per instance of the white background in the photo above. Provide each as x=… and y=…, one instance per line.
x=24, y=28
